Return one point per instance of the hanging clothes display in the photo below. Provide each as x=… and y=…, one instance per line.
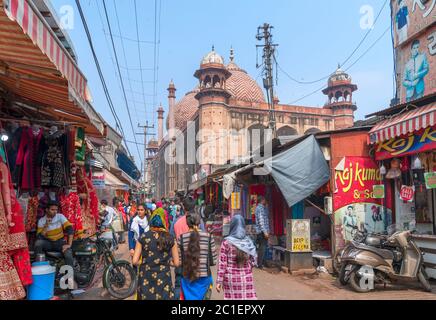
x=278, y=209
x=12, y=146
x=32, y=214
x=90, y=210
x=80, y=146
x=11, y=286
x=53, y=164
x=70, y=207
x=29, y=159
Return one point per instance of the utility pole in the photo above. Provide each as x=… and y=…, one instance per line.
x=145, y=134
x=264, y=33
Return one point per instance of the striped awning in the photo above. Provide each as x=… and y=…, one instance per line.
x=404, y=124
x=35, y=69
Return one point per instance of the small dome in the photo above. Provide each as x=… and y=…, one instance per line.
x=153, y=143
x=212, y=57
x=339, y=76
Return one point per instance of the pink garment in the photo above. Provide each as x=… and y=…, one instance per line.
x=181, y=227
x=237, y=282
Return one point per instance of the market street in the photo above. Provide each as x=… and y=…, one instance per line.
x=281, y=286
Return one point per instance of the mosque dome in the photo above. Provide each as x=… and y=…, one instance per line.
x=339, y=76
x=212, y=57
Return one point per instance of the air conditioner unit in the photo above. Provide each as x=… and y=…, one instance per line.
x=328, y=205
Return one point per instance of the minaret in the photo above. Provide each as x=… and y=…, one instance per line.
x=160, y=120
x=340, y=99
x=171, y=104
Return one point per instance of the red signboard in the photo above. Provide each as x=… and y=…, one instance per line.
x=407, y=193
x=355, y=183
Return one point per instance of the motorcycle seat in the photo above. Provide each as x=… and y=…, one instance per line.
x=55, y=255
x=385, y=254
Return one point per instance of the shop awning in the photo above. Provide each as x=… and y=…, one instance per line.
x=404, y=124
x=37, y=70
x=112, y=181
x=197, y=184
x=299, y=171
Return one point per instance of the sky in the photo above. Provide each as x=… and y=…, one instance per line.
x=313, y=38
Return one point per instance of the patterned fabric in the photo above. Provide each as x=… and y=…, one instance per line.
x=262, y=219
x=154, y=272
x=237, y=282
x=70, y=207
x=205, y=238
x=159, y=218
x=53, y=164
x=10, y=284
x=32, y=214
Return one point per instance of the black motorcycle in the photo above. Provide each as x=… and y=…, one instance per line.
x=119, y=277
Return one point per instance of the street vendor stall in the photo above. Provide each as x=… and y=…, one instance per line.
x=405, y=148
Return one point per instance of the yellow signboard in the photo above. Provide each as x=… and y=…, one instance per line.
x=300, y=236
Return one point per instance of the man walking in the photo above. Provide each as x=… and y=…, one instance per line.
x=262, y=230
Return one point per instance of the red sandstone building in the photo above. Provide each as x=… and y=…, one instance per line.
x=228, y=105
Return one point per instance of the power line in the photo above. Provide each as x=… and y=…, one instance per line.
x=121, y=78
x=130, y=39
x=139, y=54
x=124, y=53
x=346, y=60
x=354, y=63
x=100, y=73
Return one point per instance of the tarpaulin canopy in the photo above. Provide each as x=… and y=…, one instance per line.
x=299, y=171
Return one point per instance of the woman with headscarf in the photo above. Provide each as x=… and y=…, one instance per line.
x=153, y=254
x=198, y=252
x=139, y=225
x=162, y=213
x=235, y=267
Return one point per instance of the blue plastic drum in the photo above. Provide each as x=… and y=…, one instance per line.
x=42, y=288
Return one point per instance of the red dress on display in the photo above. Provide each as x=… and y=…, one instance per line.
x=11, y=287
x=70, y=207
x=29, y=159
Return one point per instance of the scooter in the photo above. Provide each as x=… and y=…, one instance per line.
x=396, y=259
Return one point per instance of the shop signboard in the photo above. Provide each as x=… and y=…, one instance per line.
x=407, y=193
x=99, y=182
x=418, y=142
x=378, y=191
x=356, y=202
x=430, y=180
x=300, y=235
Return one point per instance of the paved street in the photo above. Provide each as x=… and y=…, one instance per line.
x=272, y=285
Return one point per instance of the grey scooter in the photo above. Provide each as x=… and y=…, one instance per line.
x=398, y=259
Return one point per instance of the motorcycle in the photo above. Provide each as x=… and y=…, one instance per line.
x=383, y=260
x=119, y=277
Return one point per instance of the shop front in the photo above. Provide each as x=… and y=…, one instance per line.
x=405, y=149
x=44, y=121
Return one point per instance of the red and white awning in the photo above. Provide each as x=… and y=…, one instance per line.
x=33, y=25
x=404, y=124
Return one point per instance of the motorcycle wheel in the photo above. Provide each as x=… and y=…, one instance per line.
x=354, y=282
x=342, y=274
x=423, y=279
x=115, y=278
x=337, y=263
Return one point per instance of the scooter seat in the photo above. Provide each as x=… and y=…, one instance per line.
x=385, y=254
x=55, y=255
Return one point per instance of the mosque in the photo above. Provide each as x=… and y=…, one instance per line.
x=223, y=110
